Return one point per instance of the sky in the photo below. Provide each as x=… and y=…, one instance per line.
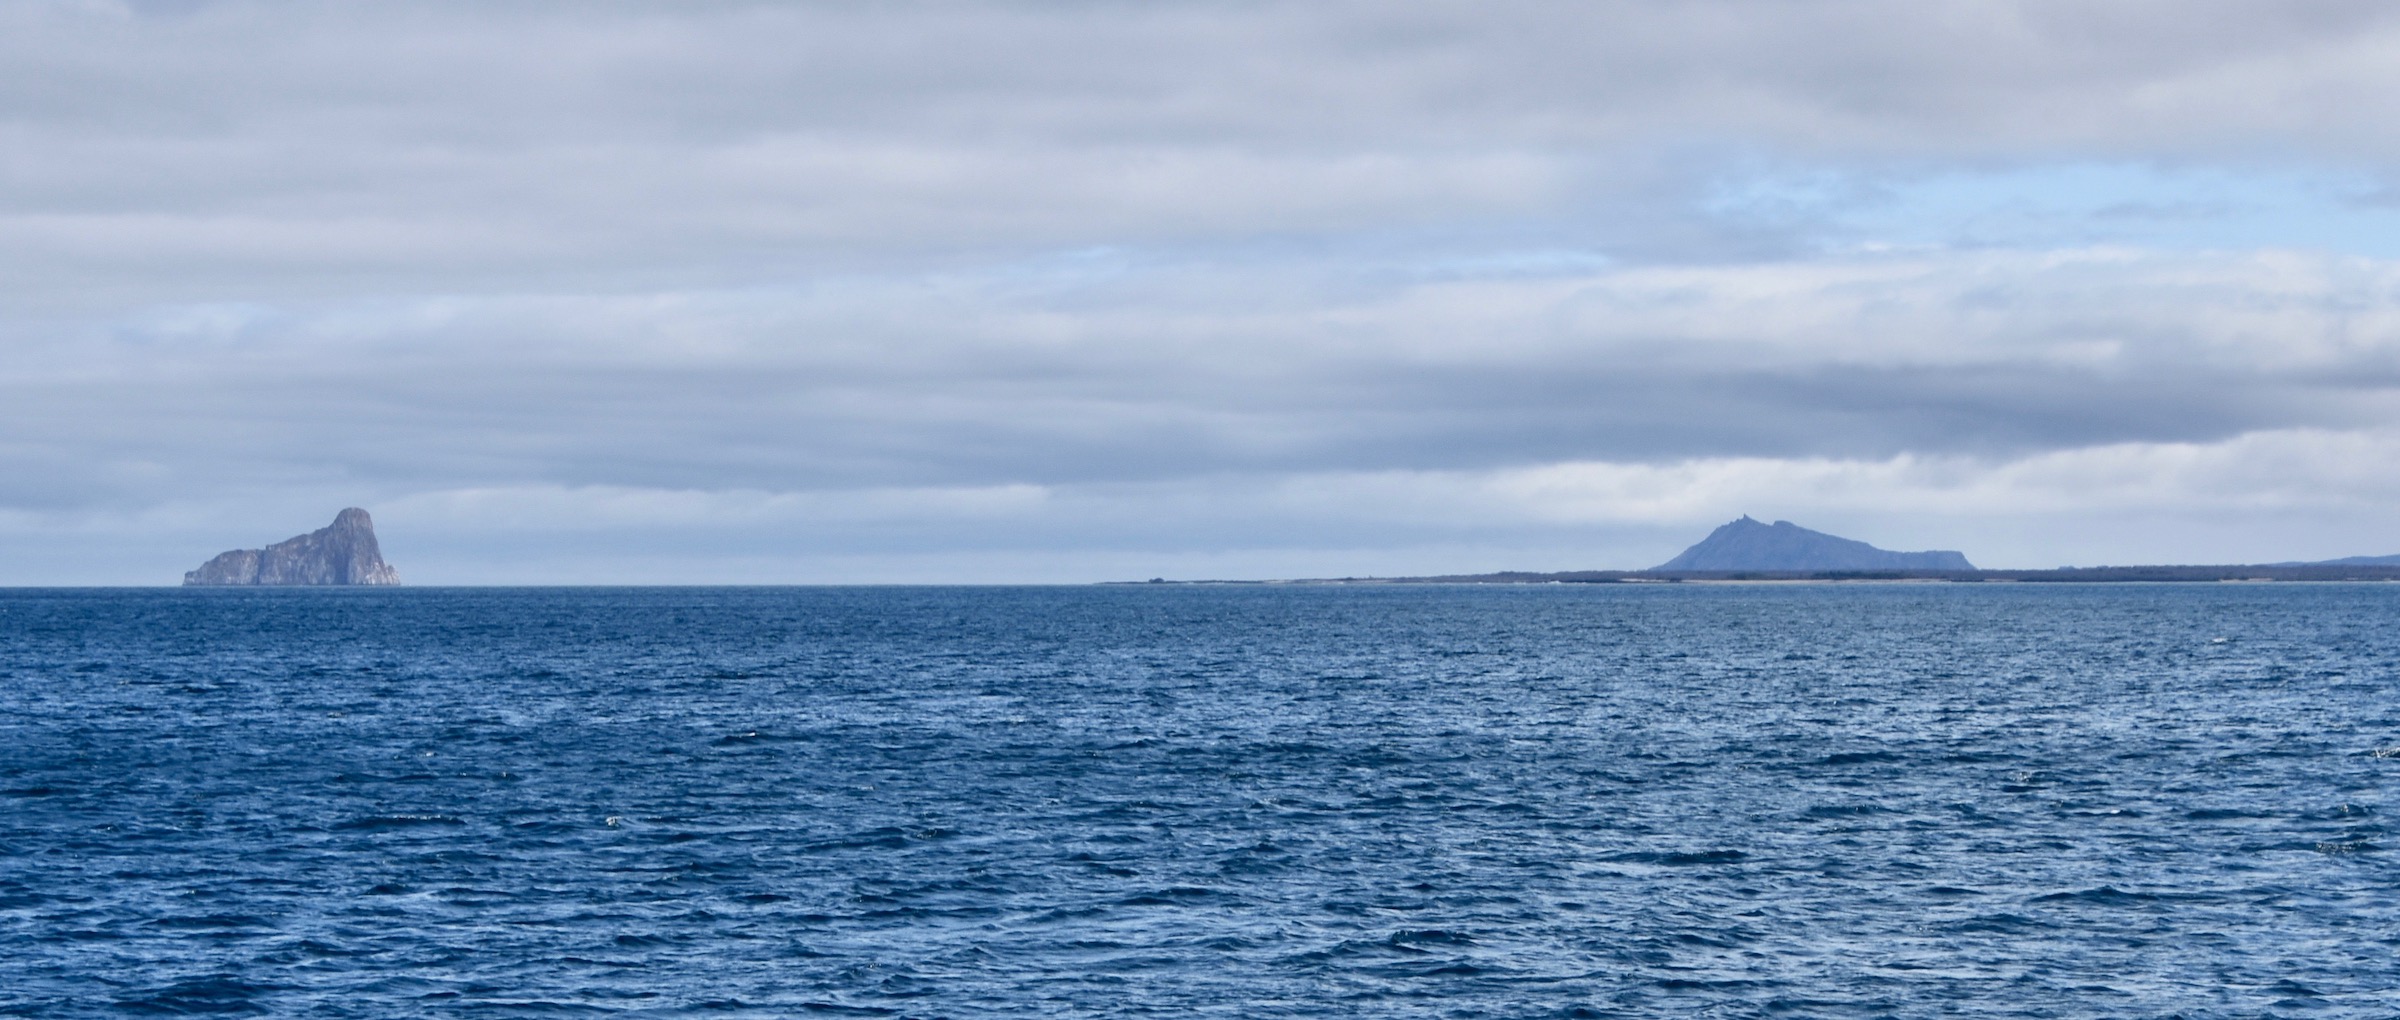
x=698, y=292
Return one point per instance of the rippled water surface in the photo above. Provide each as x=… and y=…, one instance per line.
x=1902, y=800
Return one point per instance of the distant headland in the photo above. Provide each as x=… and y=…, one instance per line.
x=1746, y=544
x=343, y=552
x=1747, y=550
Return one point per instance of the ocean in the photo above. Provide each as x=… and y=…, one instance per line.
x=1903, y=800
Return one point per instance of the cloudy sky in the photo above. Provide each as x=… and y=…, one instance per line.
x=1067, y=291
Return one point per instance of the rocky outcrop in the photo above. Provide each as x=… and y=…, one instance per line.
x=343, y=552
x=1748, y=545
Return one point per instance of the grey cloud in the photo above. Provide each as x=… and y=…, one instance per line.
x=255, y=148
x=1172, y=373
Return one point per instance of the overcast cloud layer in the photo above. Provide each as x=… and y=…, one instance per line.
x=991, y=292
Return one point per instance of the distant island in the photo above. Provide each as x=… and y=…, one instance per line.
x=1746, y=550
x=1746, y=544
x=341, y=553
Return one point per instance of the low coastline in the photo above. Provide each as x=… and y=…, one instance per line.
x=2223, y=573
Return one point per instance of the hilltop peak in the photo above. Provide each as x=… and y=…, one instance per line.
x=1747, y=544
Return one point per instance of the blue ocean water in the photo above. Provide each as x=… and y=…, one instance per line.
x=1723, y=801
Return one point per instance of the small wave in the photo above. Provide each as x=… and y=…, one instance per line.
x=206, y=922
x=884, y=838
x=745, y=738
x=1859, y=758
x=218, y=993
x=585, y=961
x=2098, y=894
x=2221, y=814
x=1682, y=859
x=1429, y=937
x=1844, y=810
x=1997, y=923
x=1169, y=896
x=1703, y=984
x=378, y=823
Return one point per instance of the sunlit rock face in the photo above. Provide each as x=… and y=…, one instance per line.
x=343, y=552
x=1747, y=544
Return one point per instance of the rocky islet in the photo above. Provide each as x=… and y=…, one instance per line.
x=341, y=553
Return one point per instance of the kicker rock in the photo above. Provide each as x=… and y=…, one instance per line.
x=343, y=552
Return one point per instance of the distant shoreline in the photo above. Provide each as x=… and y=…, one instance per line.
x=2061, y=575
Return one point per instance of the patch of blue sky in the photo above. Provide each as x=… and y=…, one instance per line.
x=2069, y=205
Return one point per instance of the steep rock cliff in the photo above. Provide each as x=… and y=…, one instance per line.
x=343, y=552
